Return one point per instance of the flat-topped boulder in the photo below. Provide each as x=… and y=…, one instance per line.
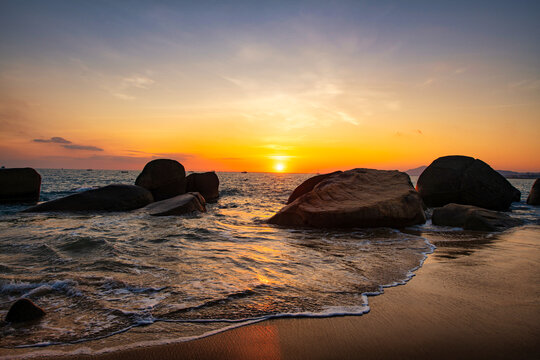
x=178, y=205
x=465, y=180
x=534, y=195
x=356, y=198
x=116, y=197
x=19, y=185
x=471, y=217
x=207, y=184
x=24, y=310
x=164, y=178
x=308, y=185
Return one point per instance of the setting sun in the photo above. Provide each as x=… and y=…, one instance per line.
x=279, y=167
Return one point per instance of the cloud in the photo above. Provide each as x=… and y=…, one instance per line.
x=82, y=147
x=54, y=139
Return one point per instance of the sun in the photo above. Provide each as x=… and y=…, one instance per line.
x=279, y=167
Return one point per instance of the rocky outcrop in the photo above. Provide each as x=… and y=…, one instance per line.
x=465, y=180
x=19, y=185
x=534, y=195
x=165, y=178
x=356, y=198
x=24, y=310
x=115, y=197
x=308, y=185
x=471, y=217
x=207, y=184
x=178, y=205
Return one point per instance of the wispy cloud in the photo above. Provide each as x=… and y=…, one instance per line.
x=54, y=139
x=82, y=147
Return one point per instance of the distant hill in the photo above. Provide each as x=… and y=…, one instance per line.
x=506, y=173
x=416, y=171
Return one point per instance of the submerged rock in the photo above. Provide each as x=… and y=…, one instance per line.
x=356, y=198
x=24, y=310
x=465, y=180
x=178, y=205
x=308, y=185
x=116, y=197
x=473, y=218
x=19, y=185
x=165, y=178
x=207, y=184
x=534, y=195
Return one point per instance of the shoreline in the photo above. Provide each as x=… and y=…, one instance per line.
x=470, y=299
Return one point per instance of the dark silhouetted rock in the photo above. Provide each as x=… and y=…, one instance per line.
x=356, y=198
x=165, y=178
x=473, y=218
x=115, y=197
x=178, y=205
x=207, y=184
x=19, y=185
x=465, y=180
x=534, y=195
x=308, y=185
x=24, y=310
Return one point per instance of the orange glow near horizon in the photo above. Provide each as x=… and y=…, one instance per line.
x=305, y=93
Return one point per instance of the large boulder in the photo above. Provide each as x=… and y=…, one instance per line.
x=178, y=205
x=24, y=310
x=473, y=218
x=465, y=180
x=207, y=184
x=308, y=185
x=534, y=195
x=165, y=178
x=356, y=198
x=19, y=185
x=116, y=197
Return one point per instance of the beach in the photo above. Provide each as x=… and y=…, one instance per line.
x=471, y=299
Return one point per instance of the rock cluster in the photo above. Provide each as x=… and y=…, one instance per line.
x=160, y=188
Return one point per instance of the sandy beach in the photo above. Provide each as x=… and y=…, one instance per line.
x=471, y=299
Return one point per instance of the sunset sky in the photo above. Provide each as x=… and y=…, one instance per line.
x=252, y=85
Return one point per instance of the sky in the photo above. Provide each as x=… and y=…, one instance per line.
x=308, y=86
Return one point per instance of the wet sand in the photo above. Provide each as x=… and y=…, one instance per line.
x=472, y=299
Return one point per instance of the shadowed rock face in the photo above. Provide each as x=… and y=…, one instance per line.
x=473, y=218
x=465, y=180
x=24, y=310
x=115, y=197
x=178, y=205
x=534, y=195
x=356, y=198
x=19, y=185
x=308, y=185
x=165, y=178
x=207, y=184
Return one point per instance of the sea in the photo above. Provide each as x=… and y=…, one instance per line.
x=126, y=278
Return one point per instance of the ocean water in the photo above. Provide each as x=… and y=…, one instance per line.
x=120, y=275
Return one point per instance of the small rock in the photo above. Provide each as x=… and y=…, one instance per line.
x=178, y=205
x=471, y=217
x=534, y=195
x=207, y=184
x=24, y=310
